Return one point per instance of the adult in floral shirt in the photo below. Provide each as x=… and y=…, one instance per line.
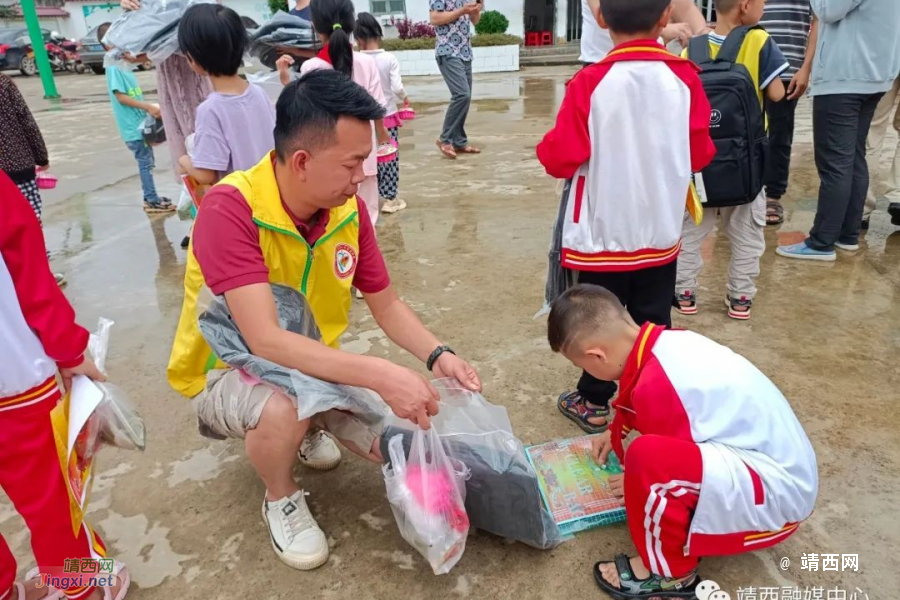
x=452, y=20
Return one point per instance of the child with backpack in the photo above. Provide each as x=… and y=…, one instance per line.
x=368, y=36
x=630, y=131
x=740, y=66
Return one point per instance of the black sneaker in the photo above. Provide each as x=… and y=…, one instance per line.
x=186, y=242
x=894, y=211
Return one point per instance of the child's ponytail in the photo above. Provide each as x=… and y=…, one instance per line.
x=336, y=19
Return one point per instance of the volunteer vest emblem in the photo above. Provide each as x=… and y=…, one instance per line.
x=344, y=261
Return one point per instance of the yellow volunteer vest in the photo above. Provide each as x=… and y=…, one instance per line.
x=323, y=273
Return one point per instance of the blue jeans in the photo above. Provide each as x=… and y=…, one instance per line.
x=146, y=162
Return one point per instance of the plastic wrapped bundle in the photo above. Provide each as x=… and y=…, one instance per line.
x=313, y=396
x=502, y=493
x=559, y=278
x=282, y=31
x=152, y=29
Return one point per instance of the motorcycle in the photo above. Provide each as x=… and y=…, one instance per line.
x=62, y=54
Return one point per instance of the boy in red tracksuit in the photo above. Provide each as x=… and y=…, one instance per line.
x=630, y=131
x=39, y=338
x=722, y=465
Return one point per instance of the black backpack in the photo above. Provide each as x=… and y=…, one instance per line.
x=737, y=123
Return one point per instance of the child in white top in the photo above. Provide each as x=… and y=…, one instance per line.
x=368, y=36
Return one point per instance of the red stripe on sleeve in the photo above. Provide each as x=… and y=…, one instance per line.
x=568, y=145
x=702, y=147
x=46, y=309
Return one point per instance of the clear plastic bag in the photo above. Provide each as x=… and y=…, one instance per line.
x=312, y=396
x=119, y=423
x=269, y=81
x=427, y=494
x=152, y=29
x=503, y=492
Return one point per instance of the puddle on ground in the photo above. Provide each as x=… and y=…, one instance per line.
x=202, y=465
x=373, y=522
x=364, y=341
x=401, y=560
x=143, y=547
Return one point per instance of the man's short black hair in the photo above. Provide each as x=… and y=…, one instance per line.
x=632, y=16
x=214, y=37
x=308, y=110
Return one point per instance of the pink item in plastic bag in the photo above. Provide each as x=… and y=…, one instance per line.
x=437, y=493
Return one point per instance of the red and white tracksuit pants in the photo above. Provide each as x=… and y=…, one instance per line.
x=662, y=486
x=30, y=474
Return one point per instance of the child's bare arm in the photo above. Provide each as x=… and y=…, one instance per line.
x=775, y=90
x=127, y=100
x=283, y=65
x=201, y=176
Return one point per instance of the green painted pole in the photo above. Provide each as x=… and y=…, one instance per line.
x=29, y=13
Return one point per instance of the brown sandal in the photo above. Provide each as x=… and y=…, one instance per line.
x=446, y=149
x=468, y=150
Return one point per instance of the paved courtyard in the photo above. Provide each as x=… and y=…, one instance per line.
x=470, y=256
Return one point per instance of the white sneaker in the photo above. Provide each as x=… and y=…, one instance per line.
x=359, y=295
x=846, y=247
x=392, y=206
x=319, y=452
x=296, y=537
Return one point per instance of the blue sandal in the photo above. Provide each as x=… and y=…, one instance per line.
x=574, y=407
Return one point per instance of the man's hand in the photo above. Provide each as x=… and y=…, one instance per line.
x=471, y=8
x=678, y=31
x=283, y=65
x=601, y=446
x=617, y=485
x=450, y=365
x=799, y=83
x=409, y=395
x=131, y=4
x=87, y=367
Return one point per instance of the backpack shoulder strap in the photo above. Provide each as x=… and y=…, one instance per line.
x=698, y=49
x=732, y=45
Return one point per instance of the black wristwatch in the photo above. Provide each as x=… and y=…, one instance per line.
x=436, y=354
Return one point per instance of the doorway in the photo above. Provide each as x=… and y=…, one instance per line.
x=539, y=17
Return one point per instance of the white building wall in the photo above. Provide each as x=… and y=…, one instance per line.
x=417, y=10
x=84, y=16
x=495, y=59
x=258, y=10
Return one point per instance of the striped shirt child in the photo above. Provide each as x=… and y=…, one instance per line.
x=788, y=21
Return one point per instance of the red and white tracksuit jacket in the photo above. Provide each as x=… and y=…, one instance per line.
x=630, y=131
x=39, y=334
x=722, y=465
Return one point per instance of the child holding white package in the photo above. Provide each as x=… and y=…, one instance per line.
x=40, y=339
x=368, y=36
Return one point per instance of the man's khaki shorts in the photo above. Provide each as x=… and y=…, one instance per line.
x=232, y=405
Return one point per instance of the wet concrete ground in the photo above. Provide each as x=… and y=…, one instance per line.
x=469, y=256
